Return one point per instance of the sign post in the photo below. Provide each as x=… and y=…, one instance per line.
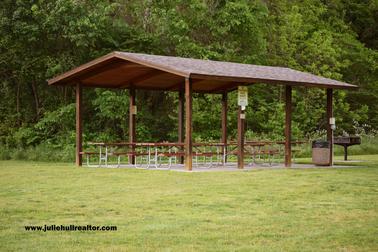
x=242, y=103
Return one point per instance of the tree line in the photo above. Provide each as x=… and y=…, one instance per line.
x=41, y=39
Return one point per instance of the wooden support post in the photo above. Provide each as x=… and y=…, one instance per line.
x=132, y=117
x=224, y=123
x=288, y=109
x=188, y=125
x=329, y=129
x=181, y=118
x=79, y=124
x=241, y=119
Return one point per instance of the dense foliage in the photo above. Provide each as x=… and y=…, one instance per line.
x=42, y=38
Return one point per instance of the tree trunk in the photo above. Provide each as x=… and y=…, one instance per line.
x=65, y=94
x=18, y=104
x=36, y=99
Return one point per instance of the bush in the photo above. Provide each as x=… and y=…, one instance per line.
x=18, y=154
x=66, y=153
x=369, y=145
x=42, y=152
x=4, y=153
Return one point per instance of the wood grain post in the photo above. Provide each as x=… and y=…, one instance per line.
x=181, y=103
x=329, y=130
x=79, y=124
x=288, y=108
x=132, y=122
x=188, y=125
x=224, y=123
x=241, y=119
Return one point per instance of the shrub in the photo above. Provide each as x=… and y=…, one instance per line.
x=4, y=153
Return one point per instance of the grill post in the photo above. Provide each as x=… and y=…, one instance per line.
x=241, y=117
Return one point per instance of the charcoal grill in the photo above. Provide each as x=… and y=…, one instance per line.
x=347, y=141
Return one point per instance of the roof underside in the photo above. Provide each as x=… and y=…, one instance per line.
x=142, y=71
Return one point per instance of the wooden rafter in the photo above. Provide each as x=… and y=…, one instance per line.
x=176, y=86
x=226, y=87
x=101, y=69
x=140, y=78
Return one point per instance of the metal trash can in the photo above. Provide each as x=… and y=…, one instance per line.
x=320, y=152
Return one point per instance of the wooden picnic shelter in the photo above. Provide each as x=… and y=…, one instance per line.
x=132, y=71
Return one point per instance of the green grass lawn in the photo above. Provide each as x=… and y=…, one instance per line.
x=270, y=210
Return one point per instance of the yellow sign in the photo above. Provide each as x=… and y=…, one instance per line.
x=242, y=96
x=134, y=110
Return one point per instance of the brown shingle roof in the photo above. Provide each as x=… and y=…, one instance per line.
x=216, y=75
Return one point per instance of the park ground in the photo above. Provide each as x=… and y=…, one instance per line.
x=332, y=209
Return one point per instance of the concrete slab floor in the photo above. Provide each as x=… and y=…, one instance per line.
x=222, y=168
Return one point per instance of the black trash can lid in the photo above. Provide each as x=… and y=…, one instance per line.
x=320, y=144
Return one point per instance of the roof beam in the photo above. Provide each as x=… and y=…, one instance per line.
x=198, y=81
x=134, y=58
x=111, y=66
x=177, y=85
x=99, y=70
x=182, y=82
x=276, y=81
x=146, y=76
x=227, y=86
x=95, y=85
x=87, y=66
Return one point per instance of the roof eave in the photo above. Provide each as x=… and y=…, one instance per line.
x=272, y=81
x=76, y=71
x=74, y=74
x=80, y=68
x=155, y=66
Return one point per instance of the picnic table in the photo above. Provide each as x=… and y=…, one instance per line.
x=263, y=148
x=153, y=153
x=150, y=151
